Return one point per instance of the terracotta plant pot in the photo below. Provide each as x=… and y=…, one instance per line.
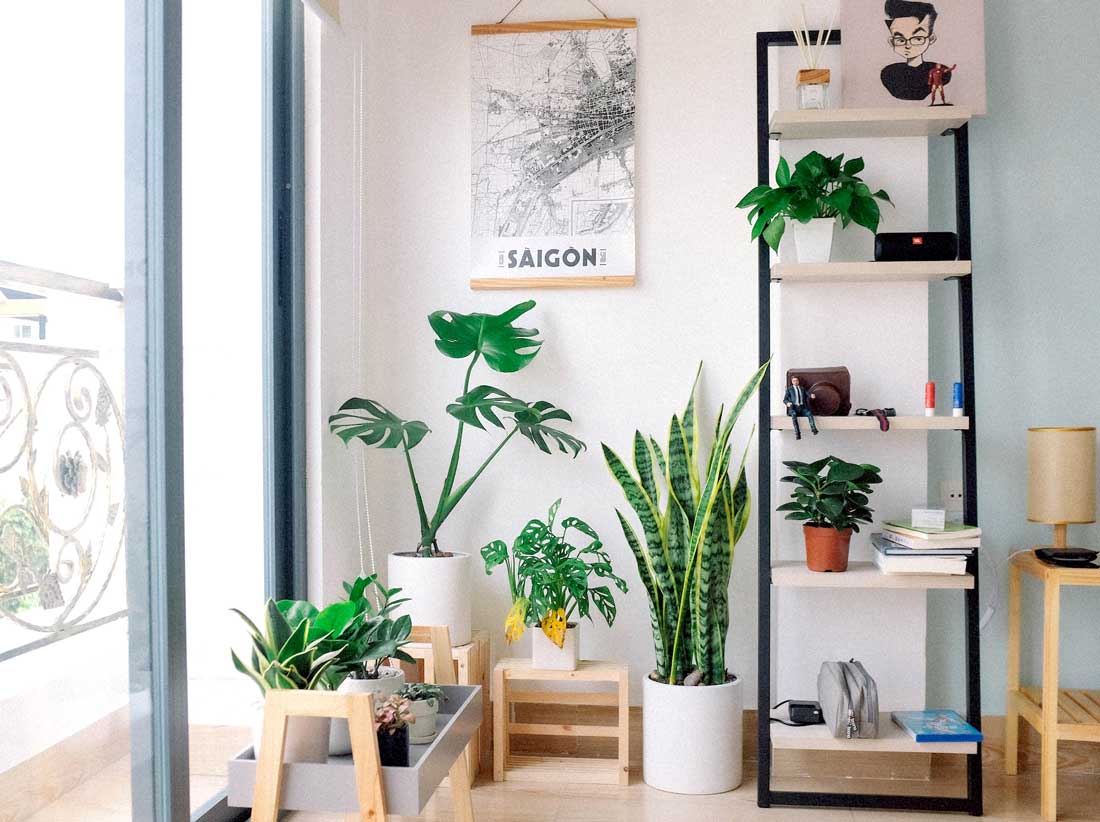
x=827, y=548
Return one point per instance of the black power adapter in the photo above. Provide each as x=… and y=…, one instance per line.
x=801, y=712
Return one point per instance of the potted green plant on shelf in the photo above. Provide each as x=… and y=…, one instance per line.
x=690, y=523
x=367, y=634
x=424, y=701
x=391, y=722
x=815, y=195
x=286, y=657
x=437, y=581
x=830, y=505
x=548, y=579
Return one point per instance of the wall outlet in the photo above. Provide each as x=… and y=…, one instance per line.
x=951, y=497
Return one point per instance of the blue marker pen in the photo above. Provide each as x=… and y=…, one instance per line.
x=957, y=400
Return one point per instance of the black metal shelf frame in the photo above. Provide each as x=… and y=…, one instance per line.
x=766, y=797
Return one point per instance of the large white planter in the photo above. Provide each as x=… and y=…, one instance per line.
x=438, y=589
x=306, y=736
x=546, y=656
x=423, y=729
x=691, y=737
x=388, y=682
x=813, y=241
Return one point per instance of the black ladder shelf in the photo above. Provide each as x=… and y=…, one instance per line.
x=766, y=797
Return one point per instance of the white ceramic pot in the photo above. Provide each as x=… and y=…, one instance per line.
x=423, y=729
x=306, y=736
x=691, y=737
x=813, y=241
x=388, y=682
x=438, y=589
x=546, y=656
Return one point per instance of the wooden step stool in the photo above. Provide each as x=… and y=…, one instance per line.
x=514, y=767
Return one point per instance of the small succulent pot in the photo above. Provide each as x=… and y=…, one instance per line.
x=425, y=712
x=826, y=548
x=389, y=681
x=393, y=747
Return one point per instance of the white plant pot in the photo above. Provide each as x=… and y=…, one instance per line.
x=423, y=729
x=813, y=241
x=546, y=656
x=388, y=682
x=306, y=736
x=691, y=737
x=438, y=589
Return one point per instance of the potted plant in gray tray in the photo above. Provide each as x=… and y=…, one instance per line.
x=438, y=581
x=424, y=701
x=391, y=722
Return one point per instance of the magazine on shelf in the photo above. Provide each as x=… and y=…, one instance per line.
x=928, y=544
x=953, y=530
x=936, y=726
x=940, y=566
x=883, y=543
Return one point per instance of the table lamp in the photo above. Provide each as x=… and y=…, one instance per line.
x=1061, y=487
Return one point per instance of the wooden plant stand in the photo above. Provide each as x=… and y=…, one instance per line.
x=526, y=768
x=1055, y=713
x=472, y=664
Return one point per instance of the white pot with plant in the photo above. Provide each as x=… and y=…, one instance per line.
x=438, y=582
x=690, y=523
x=425, y=700
x=548, y=578
x=284, y=658
x=820, y=191
x=364, y=628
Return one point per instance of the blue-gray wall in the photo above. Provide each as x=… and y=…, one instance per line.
x=1035, y=182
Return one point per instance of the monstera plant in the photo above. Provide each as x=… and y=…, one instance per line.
x=488, y=338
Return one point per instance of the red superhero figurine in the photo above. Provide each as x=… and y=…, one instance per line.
x=938, y=76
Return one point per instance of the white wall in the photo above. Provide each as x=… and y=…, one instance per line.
x=616, y=359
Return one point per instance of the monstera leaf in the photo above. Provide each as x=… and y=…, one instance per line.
x=375, y=424
x=504, y=347
x=531, y=423
x=486, y=401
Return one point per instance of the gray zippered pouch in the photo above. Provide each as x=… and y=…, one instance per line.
x=849, y=700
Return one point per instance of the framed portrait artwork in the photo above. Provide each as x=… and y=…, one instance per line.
x=910, y=53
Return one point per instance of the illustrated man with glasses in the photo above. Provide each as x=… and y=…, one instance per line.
x=912, y=32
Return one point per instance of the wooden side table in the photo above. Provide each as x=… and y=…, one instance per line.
x=558, y=769
x=1055, y=713
x=471, y=662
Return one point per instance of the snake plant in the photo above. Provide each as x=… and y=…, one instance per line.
x=504, y=348
x=284, y=657
x=690, y=523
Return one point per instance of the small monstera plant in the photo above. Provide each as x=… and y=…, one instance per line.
x=548, y=576
x=491, y=338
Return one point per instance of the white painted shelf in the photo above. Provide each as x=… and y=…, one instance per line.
x=863, y=575
x=905, y=272
x=781, y=422
x=891, y=739
x=927, y=121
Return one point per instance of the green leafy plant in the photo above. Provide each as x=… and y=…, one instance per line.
x=285, y=657
x=421, y=691
x=548, y=576
x=836, y=499
x=504, y=348
x=819, y=186
x=690, y=522
x=364, y=631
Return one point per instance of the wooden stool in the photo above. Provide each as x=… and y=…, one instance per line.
x=1056, y=714
x=508, y=767
x=471, y=664
x=358, y=709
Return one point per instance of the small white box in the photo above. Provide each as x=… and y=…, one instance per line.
x=932, y=518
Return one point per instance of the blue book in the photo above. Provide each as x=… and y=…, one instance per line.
x=936, y=726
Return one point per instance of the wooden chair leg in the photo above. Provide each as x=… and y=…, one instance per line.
x=1012, y=713
x=366, y=760
x=1048, y=766
x=500, y=725
x=269, y=764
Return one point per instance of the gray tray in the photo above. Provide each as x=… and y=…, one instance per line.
x=330, y=787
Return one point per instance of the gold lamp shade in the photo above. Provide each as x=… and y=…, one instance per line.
x=1061, y=488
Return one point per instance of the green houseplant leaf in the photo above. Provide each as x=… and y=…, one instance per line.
x=836, y=498
x=374, y=424
x=492, y=336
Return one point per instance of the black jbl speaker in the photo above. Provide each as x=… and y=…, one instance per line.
x=900, y=246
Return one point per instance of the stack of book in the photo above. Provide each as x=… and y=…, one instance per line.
x=902, y=548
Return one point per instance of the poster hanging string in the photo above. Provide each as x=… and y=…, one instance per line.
x=518, y=3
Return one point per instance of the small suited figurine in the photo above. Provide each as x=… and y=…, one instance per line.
x=797, y=401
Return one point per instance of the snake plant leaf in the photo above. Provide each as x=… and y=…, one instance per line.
x=643, y=465
x=494, y=554
x=374, y=424
x=486, y=401
x=251, y=674
x=681, y=469
x=505, y=347
x=278, y=629
x=531, y=423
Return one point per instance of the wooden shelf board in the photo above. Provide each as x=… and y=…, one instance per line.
x=870, y=272
x=891, y=738
x=781, y=422
x=927, y=121
x=561, y=770
x=862, y=575
x=1078, y=712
